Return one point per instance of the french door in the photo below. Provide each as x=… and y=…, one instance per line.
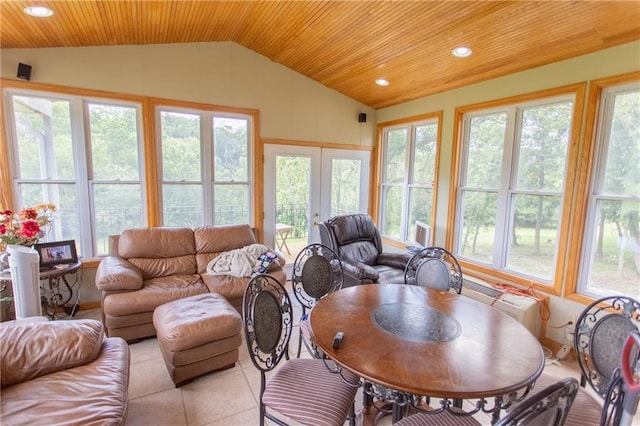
x=306, y=185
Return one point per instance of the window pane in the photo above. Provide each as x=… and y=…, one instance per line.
x=114, y=142
x=484, y=159
x=181, y=157
x=231, y=204
x=534, y=235
x=391, y=211
x=230, y=143
x=65, y=225
x=615, y=249
x=424, y=162
x=419, y=208
x=395, y=156
x=345, y=186
x=182, y=205
x=543, y=147
x=44, y=145
x=117, y=207
x=478, y=225
x=622, y=173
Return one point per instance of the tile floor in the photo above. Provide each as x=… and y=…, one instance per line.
x=226, y=398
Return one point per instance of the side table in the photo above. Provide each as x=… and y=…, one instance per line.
x=59, y=296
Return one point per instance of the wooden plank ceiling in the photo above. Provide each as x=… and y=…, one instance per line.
x=346, y=45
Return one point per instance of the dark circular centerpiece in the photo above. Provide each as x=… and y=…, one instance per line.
x=416, y=323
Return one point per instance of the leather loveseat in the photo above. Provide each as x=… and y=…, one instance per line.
x=62, y=373
x=356, y=240
x=148, y=267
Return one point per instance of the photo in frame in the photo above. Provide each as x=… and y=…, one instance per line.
x=56, y=253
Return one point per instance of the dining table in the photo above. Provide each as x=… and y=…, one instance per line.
x=408, y=340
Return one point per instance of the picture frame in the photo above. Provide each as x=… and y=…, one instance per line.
x=56, y=253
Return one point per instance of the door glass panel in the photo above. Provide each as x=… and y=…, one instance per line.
x=345, y=186
x=293, y=186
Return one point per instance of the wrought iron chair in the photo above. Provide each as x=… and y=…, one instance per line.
x=303, y=390
x=317, y=271
x=434, y=267
x=600, y=333
x=549, y=407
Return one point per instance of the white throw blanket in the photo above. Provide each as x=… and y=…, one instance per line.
x=240, y=262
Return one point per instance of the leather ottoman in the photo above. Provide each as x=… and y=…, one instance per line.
x=197, y=335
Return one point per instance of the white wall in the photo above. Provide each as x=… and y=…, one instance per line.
x=618, y=60
x=291, y=106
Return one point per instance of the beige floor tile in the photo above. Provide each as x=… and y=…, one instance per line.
x=216, y=396
x=148, y=377
x=246, y=418
x=145, y=350
x=160, y=409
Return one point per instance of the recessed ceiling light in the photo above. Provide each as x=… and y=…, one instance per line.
x=38, y=11
x=382, y=82
x=461, y=52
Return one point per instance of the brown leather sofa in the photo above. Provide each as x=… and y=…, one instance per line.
x=62, y=373
x=148, y=267
x=356, y=240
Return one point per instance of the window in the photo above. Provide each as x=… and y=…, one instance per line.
x=84, y=156
x=195, y=189
x=511, y=186
x=611, y=254
x=409, y=155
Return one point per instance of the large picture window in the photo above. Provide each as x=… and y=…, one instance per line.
x=205, y=167
x=512, y=179
x=611, y=254
x=82, y=155
x=409, y=153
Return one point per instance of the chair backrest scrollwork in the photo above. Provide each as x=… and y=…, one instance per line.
x=317, y=271
x=434, y=267
x=268, y=321
x=549, y=407
x=600, y=334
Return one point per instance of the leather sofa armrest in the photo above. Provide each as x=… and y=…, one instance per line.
x=117, y=273
x=38, y=348
x=395, y=260
x=360, y=270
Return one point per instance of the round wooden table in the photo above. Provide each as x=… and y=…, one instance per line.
x=426, y=342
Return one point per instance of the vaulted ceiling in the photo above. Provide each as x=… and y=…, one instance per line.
x=347, y=45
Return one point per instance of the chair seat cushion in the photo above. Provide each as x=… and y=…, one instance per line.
x=585, y=410
x=444, y=418
x=326, y=403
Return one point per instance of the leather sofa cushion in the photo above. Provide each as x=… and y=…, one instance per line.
x=154, y=293
x=32, y=350
x=210, y=241
x=115, y=273
x=92, y=394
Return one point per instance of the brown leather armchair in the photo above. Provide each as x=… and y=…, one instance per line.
x=356, y=240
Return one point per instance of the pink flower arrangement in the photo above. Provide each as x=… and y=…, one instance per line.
x=28, y=226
